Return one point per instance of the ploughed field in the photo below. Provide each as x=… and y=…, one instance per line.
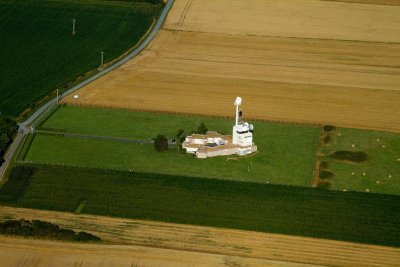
x=318, y=62
x=39, y=53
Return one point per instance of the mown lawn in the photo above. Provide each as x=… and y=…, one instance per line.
x=349, y=216
x=379, y=174
x=39, y=53
x=286, y=152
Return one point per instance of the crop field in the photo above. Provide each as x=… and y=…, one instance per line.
x=40, y=54
x=184, y=242
x=349, y=216
x=292, y=145
x=322, y=61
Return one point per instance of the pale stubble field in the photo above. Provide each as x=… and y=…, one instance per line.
x=315, y=62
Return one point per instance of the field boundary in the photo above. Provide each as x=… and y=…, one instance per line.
x=187, y=114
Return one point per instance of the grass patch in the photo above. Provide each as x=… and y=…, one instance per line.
x=279, y=146
x=43, y=229
x=326, y=174
x=348, y=216
x=50, y=56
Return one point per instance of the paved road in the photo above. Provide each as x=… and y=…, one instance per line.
x=24, y=126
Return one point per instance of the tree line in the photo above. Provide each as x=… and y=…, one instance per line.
x=7, y=133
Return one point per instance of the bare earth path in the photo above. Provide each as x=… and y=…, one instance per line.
x=314, y=62
x=149, y=243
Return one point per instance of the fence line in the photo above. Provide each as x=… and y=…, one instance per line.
x=132, y=170
x=189, y=114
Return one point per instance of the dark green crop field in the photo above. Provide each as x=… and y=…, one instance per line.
x=349, y=216
x=39, y=52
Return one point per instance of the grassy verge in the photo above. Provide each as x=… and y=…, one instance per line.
x=349, y=216
x=379, y=173
x=51, y=57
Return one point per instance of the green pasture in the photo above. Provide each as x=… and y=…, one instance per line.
x=39, y=53
x=379, y=174
x=286, y=152
x=349, y=216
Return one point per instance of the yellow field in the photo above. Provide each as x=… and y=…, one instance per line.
x=315, y=62
x=145, y=243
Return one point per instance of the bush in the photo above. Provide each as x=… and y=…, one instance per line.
x=326, y=174
x=43, y=229
x=161, y=143
x=202, y=128
x=324, y=165
x=328, y=139
x=353, y=157
x=323, y=184
x=329, y=128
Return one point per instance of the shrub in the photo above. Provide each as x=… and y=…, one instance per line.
x=350, y=156
x=324, y=165
x=323, y=184
x=329, y=128
x=43, y=229
x=161, y=143
x=326, y=174
x=328, y=139
x=202, y=128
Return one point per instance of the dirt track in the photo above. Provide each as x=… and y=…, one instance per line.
x=289, y=62
x=153, y=243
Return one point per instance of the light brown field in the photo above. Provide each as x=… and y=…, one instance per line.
x=145, y=243
x=314, y=62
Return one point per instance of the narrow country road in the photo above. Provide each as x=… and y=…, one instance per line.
x=23, y=126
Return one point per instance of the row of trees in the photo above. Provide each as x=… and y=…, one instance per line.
x=161, y=141
x=7, y=133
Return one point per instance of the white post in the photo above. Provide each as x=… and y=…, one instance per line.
x=237, y=115
x=101, y=60
x=73, y=27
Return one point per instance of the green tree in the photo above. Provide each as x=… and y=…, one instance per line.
x=202, y=128
x=161, y=143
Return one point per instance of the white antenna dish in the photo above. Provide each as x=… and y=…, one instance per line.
x=251, y=127
x=238, y=101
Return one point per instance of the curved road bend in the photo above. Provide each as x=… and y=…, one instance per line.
x=23, y=125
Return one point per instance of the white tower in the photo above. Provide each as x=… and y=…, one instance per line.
x=241, y=134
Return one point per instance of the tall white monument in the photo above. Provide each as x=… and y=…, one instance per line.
x=242, y=131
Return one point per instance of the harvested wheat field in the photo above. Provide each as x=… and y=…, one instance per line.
x=322, y=62
x=144, y=243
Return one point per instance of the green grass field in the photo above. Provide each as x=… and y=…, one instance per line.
x=382, y=169
x=39, y=53
x=286, y=152
x=349, y=216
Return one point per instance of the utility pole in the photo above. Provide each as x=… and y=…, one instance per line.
x=73, y=27
x=101, y=60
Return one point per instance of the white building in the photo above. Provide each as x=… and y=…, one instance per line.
x=214, y=144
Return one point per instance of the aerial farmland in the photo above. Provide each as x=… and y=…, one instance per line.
x=320, y=84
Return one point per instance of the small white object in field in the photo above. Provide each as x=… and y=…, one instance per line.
x=364, y=174
x=383, y=146
x=338, y=134
x=353, y=145
x=398, y=159
x=377, y=182
x=344, y=190
x=367, y=190
x=390, y=176
x=76, y=96
x=352, y=173
x=377, y=139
